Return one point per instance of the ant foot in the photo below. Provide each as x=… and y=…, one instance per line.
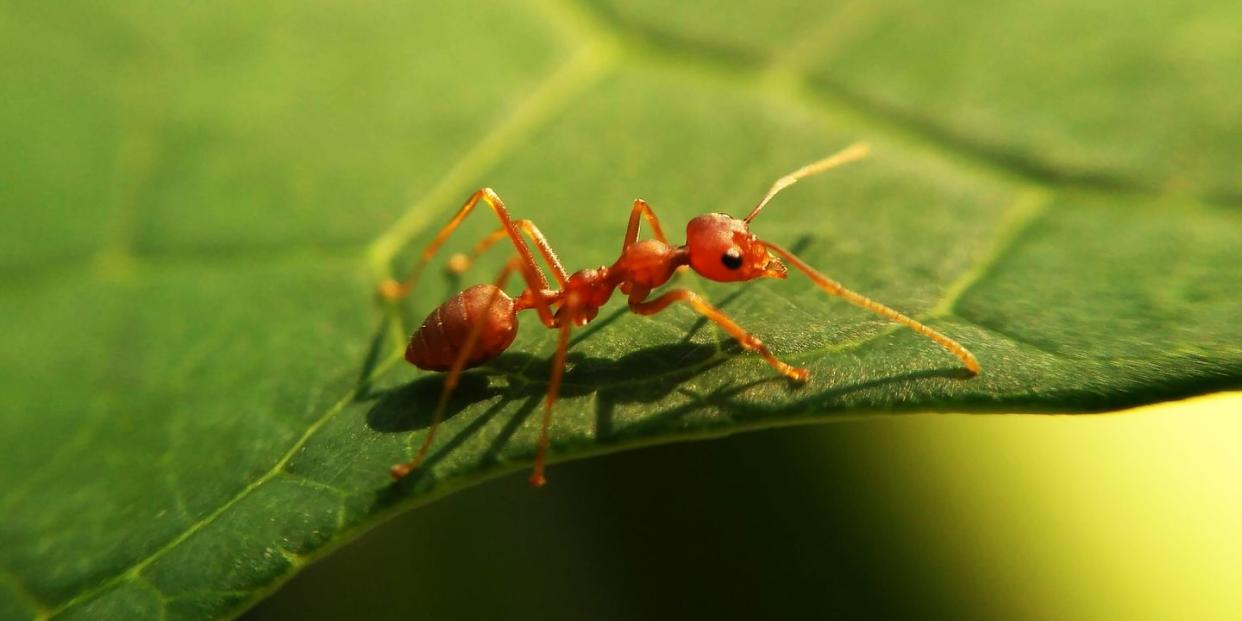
x=798, y=374
x=392, y=290
x=538, y=480
x=400, y=471
x=457, y=263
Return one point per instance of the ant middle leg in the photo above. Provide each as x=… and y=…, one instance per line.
x=392, y=289
x=537, y=478
x=746, y=339
x=642, y=210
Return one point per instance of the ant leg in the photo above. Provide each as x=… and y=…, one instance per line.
x=537, y=479
x=642, y=209
x=399, y=471
x=459, y=263
x=534, y=297
x=835, y=288
x=392, y=289
x=747, y=340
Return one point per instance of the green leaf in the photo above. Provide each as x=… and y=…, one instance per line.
x=199, y=393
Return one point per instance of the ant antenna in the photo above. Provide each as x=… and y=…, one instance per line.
x=856, y=151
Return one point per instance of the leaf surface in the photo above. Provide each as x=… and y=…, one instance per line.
x=199, y=393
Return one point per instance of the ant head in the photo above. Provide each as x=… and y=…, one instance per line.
x=723, y=249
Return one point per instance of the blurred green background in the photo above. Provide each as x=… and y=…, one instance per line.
x=170, y=171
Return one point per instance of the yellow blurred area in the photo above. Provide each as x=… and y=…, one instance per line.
x=1132, y=515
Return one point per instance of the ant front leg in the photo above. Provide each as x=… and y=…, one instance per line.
x=392, y=289
x=835, y=288
x=642, y=210
x=746, y=339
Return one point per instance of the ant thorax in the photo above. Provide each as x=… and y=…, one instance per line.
x=648, y=264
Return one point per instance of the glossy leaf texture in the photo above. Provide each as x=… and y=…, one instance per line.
x=199, y=392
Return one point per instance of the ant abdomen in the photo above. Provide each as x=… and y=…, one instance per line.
x=444, y=332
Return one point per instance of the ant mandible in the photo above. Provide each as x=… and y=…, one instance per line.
x=478, y=324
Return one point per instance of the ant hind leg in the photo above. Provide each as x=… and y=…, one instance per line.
x=459, y=263
x=399, y=471
x=393, y=289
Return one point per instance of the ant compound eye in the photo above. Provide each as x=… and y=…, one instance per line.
x=732, y=258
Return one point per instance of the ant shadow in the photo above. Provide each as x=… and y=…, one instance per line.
x=647, y=375
x=643, y=376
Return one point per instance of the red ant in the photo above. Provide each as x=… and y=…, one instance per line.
x=478, y=324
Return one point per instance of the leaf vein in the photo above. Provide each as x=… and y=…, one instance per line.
x=550, y=96
x=18, y=586
x=135, y=570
